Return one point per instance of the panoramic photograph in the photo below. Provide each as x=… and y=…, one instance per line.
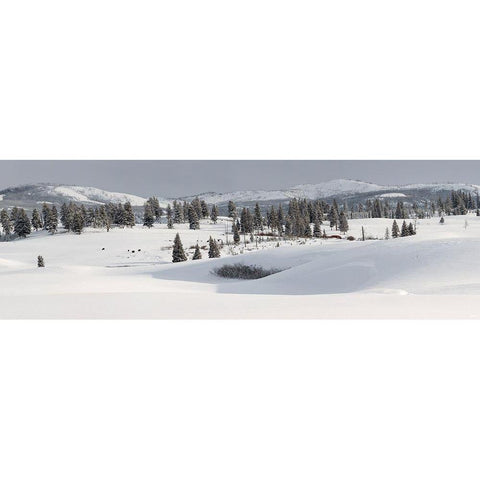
x=239, y=239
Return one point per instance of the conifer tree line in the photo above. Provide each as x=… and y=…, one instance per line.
x=297, y=218
x=185, y=212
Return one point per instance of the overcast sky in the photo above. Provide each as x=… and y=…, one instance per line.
x=178, y=178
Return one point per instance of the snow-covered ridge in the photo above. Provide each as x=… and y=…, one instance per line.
x=95, y=195
x=312, y=191
x=332, y=188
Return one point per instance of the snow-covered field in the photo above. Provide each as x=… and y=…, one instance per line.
x=127, y=273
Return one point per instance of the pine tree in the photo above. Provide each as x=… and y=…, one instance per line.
x=40, y=262
x=148, y=216
x=156, y=209
x=6, y=224
x=36, y=220
x=129, y=215
x=78, y=222
x=308, y=231
x=232, y=209
x=387, y=234
x=395, y=230
x=411, y=229
x=343, y=223
x=236, y=234
x=213, y=251
x=52, y=220
x=193, y=218
x=45, y=213
x=169, y=216
x=257, y=217
x=214, y=214
x=317, y=231
x=205, y=212
x=197, y=254
x=178, y=254
x=404, y=231
x=333, y=215
x=22, y=226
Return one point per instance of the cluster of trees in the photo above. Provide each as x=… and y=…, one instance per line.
x=186, y=212
x=76, y=217
x=458, y=202
x=19, y=224
x=179, y=255
x=405, y=231
x=295, y=222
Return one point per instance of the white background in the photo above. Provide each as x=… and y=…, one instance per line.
x=239, y=80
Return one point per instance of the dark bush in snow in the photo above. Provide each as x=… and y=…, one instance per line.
x=246, y=272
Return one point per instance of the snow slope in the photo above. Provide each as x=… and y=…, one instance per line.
x=320, y=190
x=127, y=273
x=333, y=188
x=95, y=195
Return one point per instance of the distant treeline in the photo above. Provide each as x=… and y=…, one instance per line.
x=298, y=218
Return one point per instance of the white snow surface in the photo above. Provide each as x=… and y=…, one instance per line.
x=392, y=195
x=329, y=189
x=311, y=191
x=94, y=195
x=127, y=273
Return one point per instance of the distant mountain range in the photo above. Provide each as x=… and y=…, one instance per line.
x=351, y=191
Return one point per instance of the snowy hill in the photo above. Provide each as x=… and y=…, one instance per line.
x=331, y=188
x=340, y=189
x=29, y=196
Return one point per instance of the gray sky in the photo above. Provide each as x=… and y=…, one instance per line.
x=178, y=178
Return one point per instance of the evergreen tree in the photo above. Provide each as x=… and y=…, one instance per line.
x=343, y=223
x=36, y=220
x=22, y=226
x=177, y=212
x=45, y=212
x=6, y=224
x=411, y=229
x=198, y=254
x=40, y=262
x=317, y=231
x=232, y=209
x=14, y=214
x=257, y=218
x=148, y=216
x=66, y=216
x=90, y=221
x=308, y=231
x=387, y=234
x=213, y=251
x=404, y=231
x=52, y=220
x=236, y=234
x=156, y=209
x=333, y=215
x=193, y=218
x=78, y=222
x=205, y=212
x=214, y=214
x=129, y=215
x=169, y=216
x=395, y=230
x=178, y=254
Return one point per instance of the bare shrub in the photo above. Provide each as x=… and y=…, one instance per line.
x=245, y=272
